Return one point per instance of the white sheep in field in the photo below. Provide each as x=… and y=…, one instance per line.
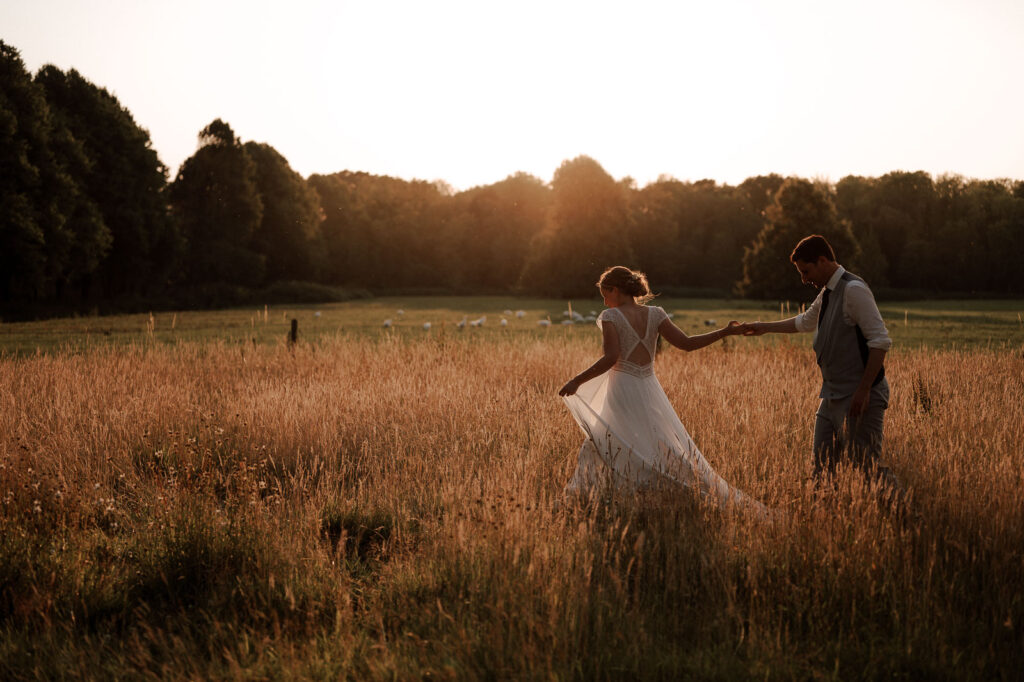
x=426, y=326
x=504, y=322
x=544, y=323
x=479, y=322
x=520, y=314
x=387, y=323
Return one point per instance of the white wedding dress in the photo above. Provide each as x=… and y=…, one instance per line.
x=633, y=437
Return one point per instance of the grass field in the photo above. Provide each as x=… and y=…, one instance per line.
x=934, y=324
x=181, y=502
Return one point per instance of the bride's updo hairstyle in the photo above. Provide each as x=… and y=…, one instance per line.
x=630, y=282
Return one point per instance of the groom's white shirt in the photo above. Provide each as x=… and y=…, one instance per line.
x=859, y=308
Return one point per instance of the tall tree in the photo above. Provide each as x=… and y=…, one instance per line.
x=856, y=202
x=716, y=224
x=692, y=234
x=76, y=251
x=977, y=245
x=51, y=234
x=346, y=247
x=492, y=229
x=760, y=190
x=588, y=231
x=123, y=177
x=412, y=241
x=288, y=235
x=384, y=233
x=657, y=223
x=906, y=215
x=216, y=202
x=801, y=208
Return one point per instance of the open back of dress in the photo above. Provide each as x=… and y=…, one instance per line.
x=633, y=436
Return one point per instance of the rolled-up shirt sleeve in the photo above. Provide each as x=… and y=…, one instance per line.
x=807, y=321
x=859, y=308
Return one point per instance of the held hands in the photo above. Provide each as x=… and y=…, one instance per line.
x=745, y=328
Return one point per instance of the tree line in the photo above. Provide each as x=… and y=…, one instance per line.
x=90, y=215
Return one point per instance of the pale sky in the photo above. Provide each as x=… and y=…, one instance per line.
x=472, y=91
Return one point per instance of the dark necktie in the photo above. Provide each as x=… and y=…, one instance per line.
x=824, y=305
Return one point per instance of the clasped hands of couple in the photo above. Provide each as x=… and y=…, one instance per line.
x=735, y=328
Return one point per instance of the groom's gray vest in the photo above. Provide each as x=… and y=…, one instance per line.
x=842, y=350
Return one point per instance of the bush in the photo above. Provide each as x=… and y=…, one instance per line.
x=307, y=292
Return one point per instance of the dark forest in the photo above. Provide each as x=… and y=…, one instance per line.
x=92, y=221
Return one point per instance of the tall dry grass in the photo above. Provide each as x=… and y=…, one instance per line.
x=382, y=508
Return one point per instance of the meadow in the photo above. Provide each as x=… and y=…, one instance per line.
x=913, y=324
x=189, y=496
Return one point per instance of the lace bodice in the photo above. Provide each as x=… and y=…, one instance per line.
x=636, y=351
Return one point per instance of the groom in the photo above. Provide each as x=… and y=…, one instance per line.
x=850, y=343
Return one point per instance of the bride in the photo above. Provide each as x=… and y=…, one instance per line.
x=633, y=436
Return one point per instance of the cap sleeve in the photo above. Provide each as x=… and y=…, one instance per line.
x=659, y=315
x=605, y=316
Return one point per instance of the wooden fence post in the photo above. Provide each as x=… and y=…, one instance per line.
x=293, y=335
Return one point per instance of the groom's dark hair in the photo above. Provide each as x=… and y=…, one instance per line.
x=811, y=248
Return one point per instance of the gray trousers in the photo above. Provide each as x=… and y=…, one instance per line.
x=838, y=437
